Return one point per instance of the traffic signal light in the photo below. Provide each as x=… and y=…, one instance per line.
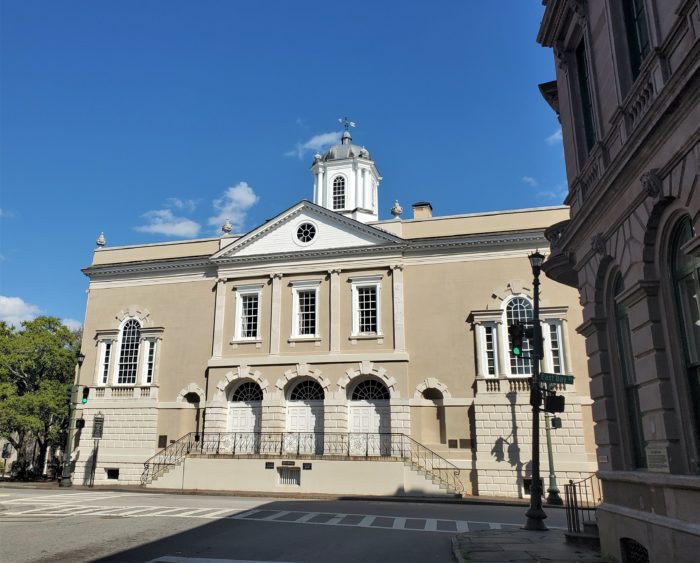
x=86, y=392
x=516, y=331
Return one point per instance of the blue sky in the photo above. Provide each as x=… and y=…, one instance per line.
x=152, y=120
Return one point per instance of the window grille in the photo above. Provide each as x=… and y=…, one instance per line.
x=339, y=193
x=307, y=312
x=584, y=82
x=306, y=232
x=307, y=390
x=129, y=354
x=637, y=33
x=249, y=316
x=367, y=309
x=556, y=348
x=490, y=350
x=289, y=475
x=150, y=361
x=246, y=392
x=105, y=363
x=519, y=309
x=370, y=390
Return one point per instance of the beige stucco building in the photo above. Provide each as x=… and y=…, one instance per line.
x=627, y=93
x=327, y=351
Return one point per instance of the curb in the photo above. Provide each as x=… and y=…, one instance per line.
x=456, y=552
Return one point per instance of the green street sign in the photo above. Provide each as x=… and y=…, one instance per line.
x=556, y=378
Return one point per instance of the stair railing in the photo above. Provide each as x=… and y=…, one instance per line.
x=312, y=445
x=581, y=499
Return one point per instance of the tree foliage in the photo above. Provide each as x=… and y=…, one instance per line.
x=37, y=364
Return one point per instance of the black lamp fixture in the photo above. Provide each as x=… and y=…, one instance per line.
x=80, y=357
x=536, y=260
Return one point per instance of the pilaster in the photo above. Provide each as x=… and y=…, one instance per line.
x=276, y=313
x=399, y=324
x=219, y=312
x=335, y=310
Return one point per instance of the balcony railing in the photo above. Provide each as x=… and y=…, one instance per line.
x=310, y=445
x=581, y=501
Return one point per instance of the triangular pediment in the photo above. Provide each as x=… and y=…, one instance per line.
x=306, y=227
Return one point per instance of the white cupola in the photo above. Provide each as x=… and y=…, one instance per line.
x=346, y=180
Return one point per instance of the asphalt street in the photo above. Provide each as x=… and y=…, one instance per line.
x=74, y=526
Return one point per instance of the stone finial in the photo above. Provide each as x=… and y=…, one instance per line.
x=101, y=241
x=397, y=210
x=227, y=227
x=651, y=182
x=317, y=157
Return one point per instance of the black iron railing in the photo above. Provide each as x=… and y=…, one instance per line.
x=312, y=445
x=581, y=499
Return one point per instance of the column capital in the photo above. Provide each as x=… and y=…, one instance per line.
x=396, y=267
x=276, y=275
x=334, y=271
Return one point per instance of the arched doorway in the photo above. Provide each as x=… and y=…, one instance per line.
x=245, y=409
x=433, y=418
x=369, y=418
x=305, y=417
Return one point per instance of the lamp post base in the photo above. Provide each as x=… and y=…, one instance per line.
x=535, y=520
x=65, y=482
x=554, y=498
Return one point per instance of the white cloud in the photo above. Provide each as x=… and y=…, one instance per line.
x=72, y=324
x=557, y=193
x=6, y=214
x=177, y=203
x=555, y=138
x=234, y=206
x=13, y=310
x=164, y=222
x=530, y=181
x=315, y=144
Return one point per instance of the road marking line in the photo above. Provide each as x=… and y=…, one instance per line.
x=366, y=521
x=215, y=513
x=137, y=510
x=494, y=526
x=431, y=525
x=399, y=523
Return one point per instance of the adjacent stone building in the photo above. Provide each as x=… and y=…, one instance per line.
x=327, y=351
x=626, y=91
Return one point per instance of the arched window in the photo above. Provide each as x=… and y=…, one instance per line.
x=247, y=392
x=307, y=390
x=685, y=272
x=519, y=309
x=129, y=353
x=625, y=361
x=370, y=390
x=338, y=192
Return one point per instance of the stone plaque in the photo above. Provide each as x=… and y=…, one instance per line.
x=657, y=459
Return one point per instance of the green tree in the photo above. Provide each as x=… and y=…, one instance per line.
x=37, y=365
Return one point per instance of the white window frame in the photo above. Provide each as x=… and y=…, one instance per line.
x=117, y=351
x=150, y=345
x=356, y=284
x=548, y=349
x=298, y=287
x=493, y=327
x=241, y=291
x=103, y=339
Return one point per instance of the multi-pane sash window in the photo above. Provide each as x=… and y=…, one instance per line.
x=105, y=362
x=490, y=334
x=150, y=360
x=555, y=345
x=366, y=306
x=307, y=312
x=367, y=309
x=586, y=95
x=637, y=33
x=247, y=323
x=129, y=353
x=249, y=316
x=519, y=309
x=339, y=193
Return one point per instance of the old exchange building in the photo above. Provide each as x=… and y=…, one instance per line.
x=328, y=351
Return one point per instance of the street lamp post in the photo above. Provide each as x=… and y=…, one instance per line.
x=535, y=514
x=66, y=473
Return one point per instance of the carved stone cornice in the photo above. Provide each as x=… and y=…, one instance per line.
x=591, y=326
x=638, y=291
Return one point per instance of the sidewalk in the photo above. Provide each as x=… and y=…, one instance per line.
x=516, y=546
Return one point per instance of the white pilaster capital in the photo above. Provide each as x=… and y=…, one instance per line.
x=276, y=275
x=334, y=271
x=397, y=267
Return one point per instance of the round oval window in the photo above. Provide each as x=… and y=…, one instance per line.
x=306, y=232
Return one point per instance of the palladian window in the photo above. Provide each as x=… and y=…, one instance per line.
x=129, y=352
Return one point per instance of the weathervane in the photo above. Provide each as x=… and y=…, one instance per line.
x=346, y=122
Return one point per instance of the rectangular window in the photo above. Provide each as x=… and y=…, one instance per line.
x=105, y=362
x=555, y=342
x=586, y=95
x=289, y=476
x=150, y=360
x=307, y=312
x=366, y=306
x=637, y=33
x=248, y=313
x=490, y=349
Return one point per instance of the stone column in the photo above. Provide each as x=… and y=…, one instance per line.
x=276, y=313
x=335, y=310
x=399, y=326
x=480, y=343
x=503, y=350
x=219, y=312
x=566, y=346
